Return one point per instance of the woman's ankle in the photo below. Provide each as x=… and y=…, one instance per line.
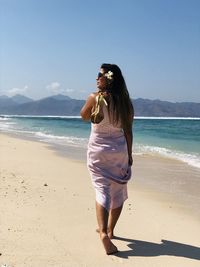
x=110, y=234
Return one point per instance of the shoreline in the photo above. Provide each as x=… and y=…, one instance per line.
x=48, y=213
x=186, y=152
x=184, y=189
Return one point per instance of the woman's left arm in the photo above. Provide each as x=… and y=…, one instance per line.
x=128, y=133
x=129, y=140
x=87, y=108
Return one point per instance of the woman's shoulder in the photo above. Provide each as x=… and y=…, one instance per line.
x=93, y=95
x=92, y=98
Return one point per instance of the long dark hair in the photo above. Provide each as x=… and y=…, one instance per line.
x=123, y=110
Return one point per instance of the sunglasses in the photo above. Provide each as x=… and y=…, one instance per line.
x=99, y=75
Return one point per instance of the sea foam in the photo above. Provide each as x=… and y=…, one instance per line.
x=190, y=159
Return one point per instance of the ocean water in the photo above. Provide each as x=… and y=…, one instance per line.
x=177, y=138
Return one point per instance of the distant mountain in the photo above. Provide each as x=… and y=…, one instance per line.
x=20, y=99
x=53, y=105
x=158, y=108
x=63, y=105
x=6, y=102
x=50, y=106
x=60, y=97
x=3, y=97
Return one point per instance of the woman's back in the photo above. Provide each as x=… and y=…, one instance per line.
x=107, y=125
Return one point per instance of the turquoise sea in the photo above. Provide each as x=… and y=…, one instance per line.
x=177, y=138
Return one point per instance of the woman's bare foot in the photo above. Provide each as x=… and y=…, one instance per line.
x=110, y=248
x=110, y=234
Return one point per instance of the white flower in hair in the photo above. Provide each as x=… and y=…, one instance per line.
x=109, y=75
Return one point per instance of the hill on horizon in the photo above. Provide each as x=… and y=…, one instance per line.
x=64, y=105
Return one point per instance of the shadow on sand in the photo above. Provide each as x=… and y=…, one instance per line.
x=149, y=249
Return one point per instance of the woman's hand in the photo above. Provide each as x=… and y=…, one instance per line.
x=106, y=95
x=130, y=160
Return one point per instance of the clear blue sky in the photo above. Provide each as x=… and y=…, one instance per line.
x=56, y=46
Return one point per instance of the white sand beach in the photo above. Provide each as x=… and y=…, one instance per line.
x=47, y=206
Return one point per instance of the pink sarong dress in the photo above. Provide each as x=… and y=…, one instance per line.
x=107, y=161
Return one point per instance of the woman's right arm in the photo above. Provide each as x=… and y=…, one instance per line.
x=86, y=110
x=129, y=136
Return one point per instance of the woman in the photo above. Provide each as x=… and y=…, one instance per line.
x=109, y=156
